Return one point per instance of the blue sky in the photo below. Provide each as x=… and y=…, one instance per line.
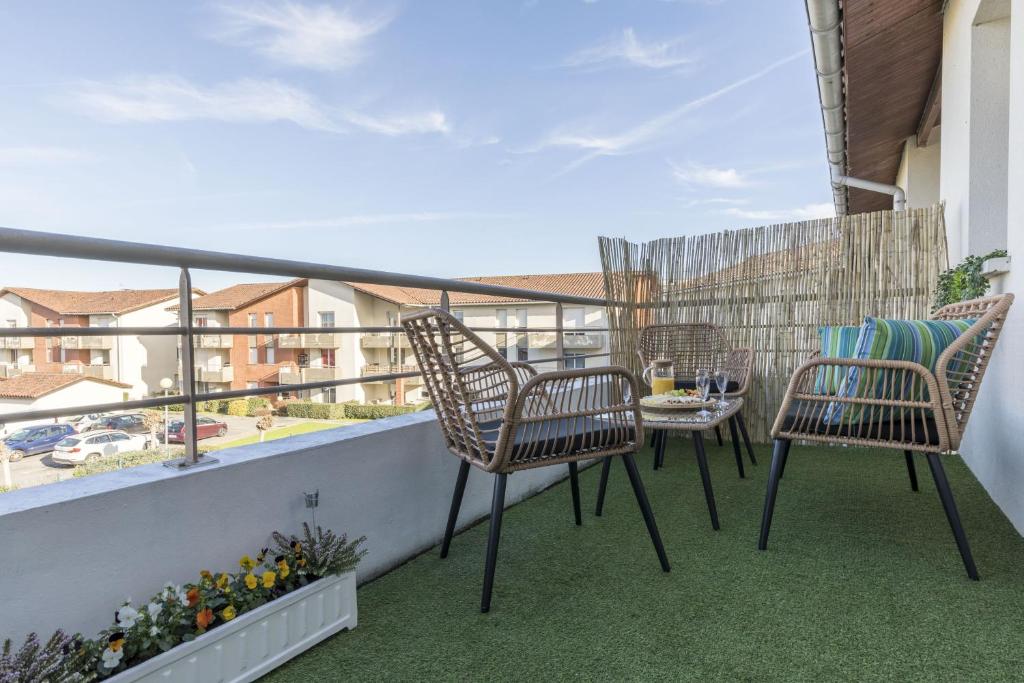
x=442, y=138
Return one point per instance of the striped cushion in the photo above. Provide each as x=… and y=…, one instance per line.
x=918, y=341
x=836, y=342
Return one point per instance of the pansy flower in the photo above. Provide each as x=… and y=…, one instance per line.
x=192, y=596
x=246, y=563
x=223, y=581
x=251, y=581
x=126, y=616
x=268, y=579
x=228, y=613
x=114, y=651
x=204, y=618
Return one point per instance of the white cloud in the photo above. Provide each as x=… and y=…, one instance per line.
x=354, y=220
x=626, y=48
x=705, y=176
x=425, y=122
x=690, y=203
x=311, y=36
x=644, y=132
x=800, y=213
x=171, y=98
x=41, y=155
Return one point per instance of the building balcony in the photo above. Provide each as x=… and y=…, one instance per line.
x=211, y=341
x=289, y=374
x=98, y=371
x=879, y=551
x=309, y=340
x=8, y=370
x=215, y=376
x=570, y=340
x=22, y=343
x=389, y=369
x=321, y=374
x=86, y=342
x=384, y=340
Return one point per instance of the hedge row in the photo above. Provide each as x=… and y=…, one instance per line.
x=350, y=410
x=242, y=407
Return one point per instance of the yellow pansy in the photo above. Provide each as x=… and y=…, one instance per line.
x=228, y=613
x=251, y=581
x=284, y=572
x=246, y=563
x=268, y=579
x=223, y=581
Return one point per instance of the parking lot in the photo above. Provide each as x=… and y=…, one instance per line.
x=40, y=469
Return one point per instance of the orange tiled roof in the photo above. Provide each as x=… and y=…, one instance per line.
x=85, y=303
x=571, y=284
x=35, y=384
x=236, y=296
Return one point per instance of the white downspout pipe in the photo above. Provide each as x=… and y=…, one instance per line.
x=899, y=197
x=825, y=23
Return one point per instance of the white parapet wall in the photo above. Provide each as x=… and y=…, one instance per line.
x=74, y=549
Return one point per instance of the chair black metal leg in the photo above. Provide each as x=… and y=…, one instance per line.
x=659, y=449
x=654, y=437
x=497, y=509
x=785, y=459
x=746, y=437
x=705, y=478
x=718, y=435
x=779, y=454
x=911, y=470
x=453, y=513
x=606, y=467
x=574, y=483
x=946, y=495
x=736, y=446
x=645, y=509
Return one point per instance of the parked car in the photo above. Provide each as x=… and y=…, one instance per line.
x=205, y=428
x=83, y=422
x=36, y=439
x=131, y=423
x=96, y=444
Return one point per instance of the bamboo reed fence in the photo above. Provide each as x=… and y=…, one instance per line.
x=771, y=287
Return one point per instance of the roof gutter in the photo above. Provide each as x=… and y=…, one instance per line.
x=899, y=197
x=825, y=22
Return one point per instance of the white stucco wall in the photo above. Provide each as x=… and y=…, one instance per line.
x=86, y=392
x=144, y=360
x=74, y=549
x=919, y=172
x=992, y=444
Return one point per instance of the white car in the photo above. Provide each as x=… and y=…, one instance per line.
x=92, y=446
x=83, y=422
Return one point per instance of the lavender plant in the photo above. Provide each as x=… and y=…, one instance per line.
x=322, y=553
x=62, y=659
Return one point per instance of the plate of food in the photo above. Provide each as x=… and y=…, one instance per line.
x=683, y=399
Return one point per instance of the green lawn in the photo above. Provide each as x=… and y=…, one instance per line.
x=861, y=581
x=283, y=432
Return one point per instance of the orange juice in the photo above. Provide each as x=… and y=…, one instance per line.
x=662, y=385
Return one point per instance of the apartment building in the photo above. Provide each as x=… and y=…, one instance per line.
x=138, y=362
x=263, y=360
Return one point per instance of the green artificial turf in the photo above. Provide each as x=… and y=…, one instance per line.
x=861, y=581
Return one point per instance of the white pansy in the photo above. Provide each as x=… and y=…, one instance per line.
x=127, y=616
x=111, y=657
x=154, y=609
x=154, y=631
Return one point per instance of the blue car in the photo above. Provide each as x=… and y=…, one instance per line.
x=36, y=439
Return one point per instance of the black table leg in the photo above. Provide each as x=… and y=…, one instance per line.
x=705, y=476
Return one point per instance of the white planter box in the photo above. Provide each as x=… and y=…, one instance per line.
x=257, y=641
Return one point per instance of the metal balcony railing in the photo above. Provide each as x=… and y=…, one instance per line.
x=215, y=375
x=15, y=241
x=310, y=340
x=88, y=343
x=383, y=340
x=17, y=342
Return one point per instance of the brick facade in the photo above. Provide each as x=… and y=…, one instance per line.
x=287, y=307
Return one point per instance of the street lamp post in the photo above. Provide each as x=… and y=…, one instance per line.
x=166, y=383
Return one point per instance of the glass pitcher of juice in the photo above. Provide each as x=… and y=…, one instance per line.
x=660, y=376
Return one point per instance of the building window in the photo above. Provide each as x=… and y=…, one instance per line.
x=522, y=353
x=254, y=353
x=330, y=395
x=252, y=319
x=271, y=357
x=268, y=320
x=252, y=385
x=326, y=318
x=522, y=338
x=201, y=321
x=327, y=358
x=574, y=360
x=459, y=315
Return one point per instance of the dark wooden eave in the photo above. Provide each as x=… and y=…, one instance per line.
x=892, y=51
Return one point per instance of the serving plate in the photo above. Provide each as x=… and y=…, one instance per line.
x=668, y=403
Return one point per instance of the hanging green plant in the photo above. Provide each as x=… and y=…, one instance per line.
x=965, y=281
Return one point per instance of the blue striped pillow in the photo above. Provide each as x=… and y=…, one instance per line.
x=836, y=342
x=918, y=341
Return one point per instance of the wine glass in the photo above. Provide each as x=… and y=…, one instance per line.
x=722, y=382
x=703, y=384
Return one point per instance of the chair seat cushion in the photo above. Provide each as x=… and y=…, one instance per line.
x=730, y=386
x=565, y=436
x=918, y=430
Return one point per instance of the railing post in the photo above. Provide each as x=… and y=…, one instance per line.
x=188, y=375
x=559, y=336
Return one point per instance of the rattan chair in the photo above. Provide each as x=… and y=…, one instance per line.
x=503, y=417
x=908, y=408
x=692, y=347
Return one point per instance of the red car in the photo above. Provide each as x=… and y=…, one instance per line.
x=205, y=428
